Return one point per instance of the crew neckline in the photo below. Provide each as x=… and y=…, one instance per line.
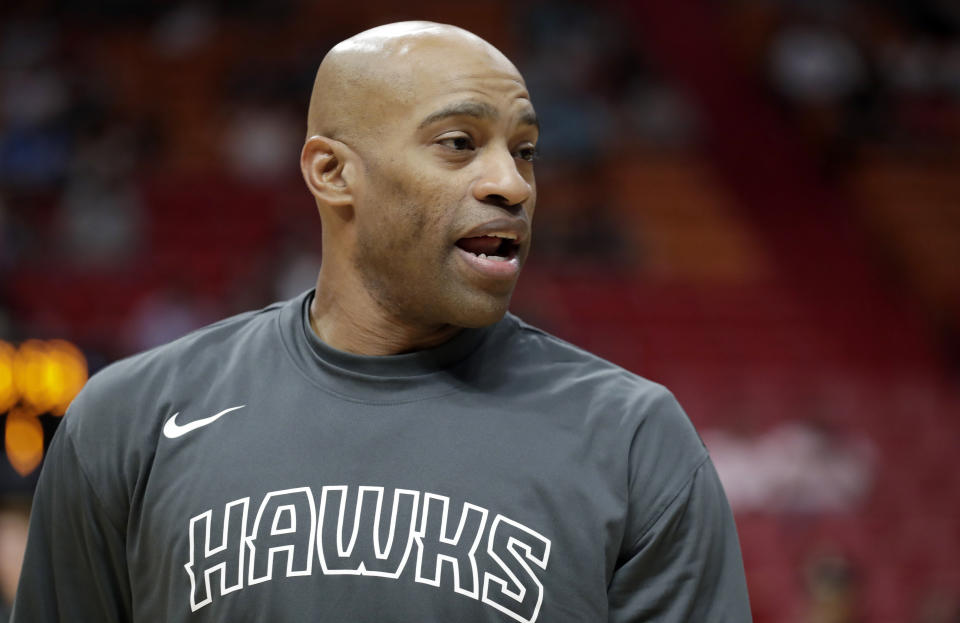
x=407, y=365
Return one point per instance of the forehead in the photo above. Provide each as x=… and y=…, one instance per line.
x=493, y=101
x=439, y=77
x=488, y=96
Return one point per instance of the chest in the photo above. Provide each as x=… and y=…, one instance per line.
x=335, y=510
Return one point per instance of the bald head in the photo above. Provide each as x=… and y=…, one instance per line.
x=420, y=146
x=364, y=80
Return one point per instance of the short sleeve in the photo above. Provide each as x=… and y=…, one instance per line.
x=686, y=565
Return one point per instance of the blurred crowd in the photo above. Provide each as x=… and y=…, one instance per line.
x=859, y=75
x=100, y=107
x=149, y=185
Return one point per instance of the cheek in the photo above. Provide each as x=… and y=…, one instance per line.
x=410, y=209
x=420, y=211
x=404, y=217
x=402, y=227
x=532, y=203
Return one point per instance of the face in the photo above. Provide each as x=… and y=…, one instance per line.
x=447, y=193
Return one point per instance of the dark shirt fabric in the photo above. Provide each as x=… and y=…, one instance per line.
x=502, y=476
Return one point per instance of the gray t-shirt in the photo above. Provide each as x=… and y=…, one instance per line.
x=249, y=472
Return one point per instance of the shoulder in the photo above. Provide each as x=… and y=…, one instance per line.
x=181, y=358
x=651, y=427
x=124, y=403
x=574, y=371
x=112, y=427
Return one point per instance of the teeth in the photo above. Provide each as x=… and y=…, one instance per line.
x=494, y=258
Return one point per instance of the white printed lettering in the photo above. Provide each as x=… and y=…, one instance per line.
x=354, y=534
x=225, y=558
x=390, y=551
x=434, y=546
x=521, y=595
x=296, y=544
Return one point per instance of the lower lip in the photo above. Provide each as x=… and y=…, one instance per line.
x=492, y=269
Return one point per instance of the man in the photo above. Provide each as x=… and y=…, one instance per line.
x=390, y=446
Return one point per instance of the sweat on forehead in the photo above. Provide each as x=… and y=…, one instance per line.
x=363, y=77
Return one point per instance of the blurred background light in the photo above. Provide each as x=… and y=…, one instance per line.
x=66, y=374
x=32, y=374
x=8, y=389
x=46, y=375
x=38, y=380
x=23, y=440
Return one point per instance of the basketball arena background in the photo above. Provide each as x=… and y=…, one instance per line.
x=754, y=202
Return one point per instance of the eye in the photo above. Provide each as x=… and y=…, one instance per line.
x=528, y=153
x=460, y=142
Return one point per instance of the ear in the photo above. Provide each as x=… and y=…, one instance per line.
x=322, y=162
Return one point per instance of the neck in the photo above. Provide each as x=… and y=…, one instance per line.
x=346, y=317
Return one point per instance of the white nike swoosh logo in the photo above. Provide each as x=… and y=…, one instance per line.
x=172, y=430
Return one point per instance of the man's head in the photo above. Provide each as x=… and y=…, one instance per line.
x=419, y=147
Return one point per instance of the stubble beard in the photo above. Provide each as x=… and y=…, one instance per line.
x=428, y=296
x=421, y=289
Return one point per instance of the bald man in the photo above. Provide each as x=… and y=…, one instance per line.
x=392, y=446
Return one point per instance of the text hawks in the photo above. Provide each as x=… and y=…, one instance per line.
x=350, y=537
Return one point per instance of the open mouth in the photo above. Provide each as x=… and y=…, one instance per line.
x=495, y=248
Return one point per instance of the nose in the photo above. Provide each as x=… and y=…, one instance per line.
x=501, y=182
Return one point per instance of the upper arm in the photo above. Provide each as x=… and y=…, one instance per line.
x=686, y=565
x=74, y=568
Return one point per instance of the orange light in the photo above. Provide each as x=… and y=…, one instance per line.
x=23, y=439
x=66, y=375
x=31, y=368
x=8, y=391
x=48, y=375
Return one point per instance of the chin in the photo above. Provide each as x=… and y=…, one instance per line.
x=478, y=311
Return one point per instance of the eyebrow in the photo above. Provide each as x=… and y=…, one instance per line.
x=477, y=110
x=530, y=118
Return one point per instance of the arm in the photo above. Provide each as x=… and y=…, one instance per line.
x=685, y=565
x=75, y=564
